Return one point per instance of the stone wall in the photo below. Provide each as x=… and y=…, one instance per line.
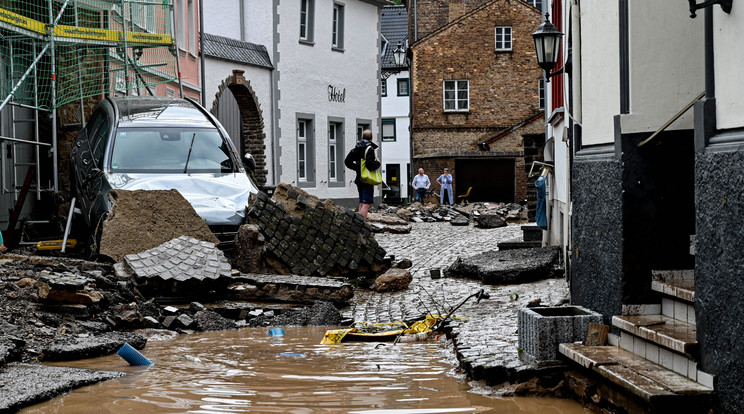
x=503, y=86
x=597, y=225
x=433, y=14
x=310, y=238
x=719, y=178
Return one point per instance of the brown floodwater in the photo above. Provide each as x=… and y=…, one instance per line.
x=247, y=370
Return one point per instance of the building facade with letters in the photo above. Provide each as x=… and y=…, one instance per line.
x=326, y=56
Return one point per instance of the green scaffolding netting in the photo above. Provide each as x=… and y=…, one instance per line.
x=53, y=52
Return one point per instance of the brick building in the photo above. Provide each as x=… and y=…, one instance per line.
x=477, y=94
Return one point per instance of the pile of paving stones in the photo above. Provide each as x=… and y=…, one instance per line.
x=306, y=237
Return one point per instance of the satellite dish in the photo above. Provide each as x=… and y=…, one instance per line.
x=549, y=150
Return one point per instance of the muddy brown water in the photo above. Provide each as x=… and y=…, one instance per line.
x=247, y=370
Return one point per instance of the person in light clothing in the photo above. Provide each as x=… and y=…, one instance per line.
x=420, y=185
x=446, y=181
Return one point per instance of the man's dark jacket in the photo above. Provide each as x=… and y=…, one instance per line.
x=353, y=160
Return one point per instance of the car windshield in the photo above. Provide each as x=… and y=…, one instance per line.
x=171, y=150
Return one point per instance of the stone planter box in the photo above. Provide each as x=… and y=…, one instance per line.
x=542, y=329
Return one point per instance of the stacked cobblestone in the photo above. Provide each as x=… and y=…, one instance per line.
x=316, y=239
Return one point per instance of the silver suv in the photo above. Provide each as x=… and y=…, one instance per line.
x=150, y=143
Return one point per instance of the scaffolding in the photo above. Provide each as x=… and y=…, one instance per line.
x=58, y=53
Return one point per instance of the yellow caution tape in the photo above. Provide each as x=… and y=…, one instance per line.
x=85, y=33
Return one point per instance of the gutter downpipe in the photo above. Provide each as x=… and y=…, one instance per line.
x=705, y=109
x=201, y=54
x=415, y=21
x=710, y=81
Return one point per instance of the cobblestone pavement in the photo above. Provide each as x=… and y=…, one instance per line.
x=486, y=339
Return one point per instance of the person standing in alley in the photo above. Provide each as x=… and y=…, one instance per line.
x=420, y=185
x=446, y=181
x=353, y=161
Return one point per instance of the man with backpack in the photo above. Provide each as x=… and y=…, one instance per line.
x=364, y=149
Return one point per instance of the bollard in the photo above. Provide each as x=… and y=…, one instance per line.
x=133, y=356
x=436, y=273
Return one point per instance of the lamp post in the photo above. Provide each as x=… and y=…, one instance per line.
x=547, y=45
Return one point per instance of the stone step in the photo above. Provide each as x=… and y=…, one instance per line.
x=518, y=244
x=532, y=233
x=666, y=332
x=656, y=385
x=680, y=289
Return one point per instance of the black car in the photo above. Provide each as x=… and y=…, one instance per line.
x=151, y=143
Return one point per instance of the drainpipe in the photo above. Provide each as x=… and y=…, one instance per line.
x=274, y=138
x=415, y=21
x=201, y=53
x=710, y=80
x=705, y=109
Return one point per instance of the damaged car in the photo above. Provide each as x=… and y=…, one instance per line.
x=152, y=143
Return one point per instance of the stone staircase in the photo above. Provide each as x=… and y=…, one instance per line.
x=655, y=357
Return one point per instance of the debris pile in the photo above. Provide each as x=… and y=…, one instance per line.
x=486, y=215
x=178, y=265
x=143, y=219
x=306, y=237
x=289, y=288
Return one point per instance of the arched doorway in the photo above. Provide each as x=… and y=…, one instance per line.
x=236, y=107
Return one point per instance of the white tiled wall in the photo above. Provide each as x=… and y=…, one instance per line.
x=678, y=310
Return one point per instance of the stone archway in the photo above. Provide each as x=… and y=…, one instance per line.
x=252, y=136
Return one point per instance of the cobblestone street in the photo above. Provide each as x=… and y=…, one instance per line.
x=486, y=339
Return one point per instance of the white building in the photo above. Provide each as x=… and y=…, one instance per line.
x=238, y=37
x=327, y=60
x=396, y=105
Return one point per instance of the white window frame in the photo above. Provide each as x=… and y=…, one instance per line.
x=503, y=39
x=535, y=3
x=337, y=31
x=332, y=142
x=541, y=93
x=192, y=26
x=307, y=11
x=181, y=11
x=302, y=150
x=456, y=88
x=389, y=122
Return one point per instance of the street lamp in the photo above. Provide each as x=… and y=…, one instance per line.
x=725, y=5
x=399, y=54
x=547, y=44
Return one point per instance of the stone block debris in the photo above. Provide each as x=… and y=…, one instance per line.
x=393, y=280
x=143, y=219
x=507, y=266
x=489, y=221
x=68, y=287
x=68, y=347
x=290, y=288
x=249, y=244
x=26, y=384
x=179, y=266
x=310, y=238
x=388, y=223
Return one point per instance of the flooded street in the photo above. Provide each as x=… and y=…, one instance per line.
x=249, y=371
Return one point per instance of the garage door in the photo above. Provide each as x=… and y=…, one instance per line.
x=492, y=180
